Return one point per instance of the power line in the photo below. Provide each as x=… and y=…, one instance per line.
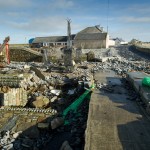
x=107, y=15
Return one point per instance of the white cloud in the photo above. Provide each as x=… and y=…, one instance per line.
x=44, y=25
x=56, y=25
x=14, y=3
x=128, y=33
x=136, y=19
x=142, y=8
x=63, y=4
x=15, y=14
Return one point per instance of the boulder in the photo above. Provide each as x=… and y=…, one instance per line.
x=65, y=146
x=54, y=98
x=38, y=72
x=27, y=143
x=40, y=102
x=56, y=92
x=56, y=122
x=46, y=100
x=51, y=87
x=35, y=79
x=61, y=101
x=32, y=132
x=15, y=135
x=90, y=56
x=43, y=125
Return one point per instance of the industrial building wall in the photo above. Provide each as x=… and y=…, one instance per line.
x=90, y=44
x=111, y=43
x=107, y=41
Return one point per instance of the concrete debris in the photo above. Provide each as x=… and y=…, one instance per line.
x=90, y=56
x=44, y=125
x=7, y=139
x=15, y=140
x=40, y=102
x=26, y=142
x=65, y=146
x=37, y=110
x=38, y=72
x=54, y=99
x=56, y=92
x=51, y=89
x=56, y=122
x=71, y=92
x=10, y=124
x=16, y=135
x=61, y=101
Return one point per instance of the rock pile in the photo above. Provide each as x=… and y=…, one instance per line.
x=7, y=139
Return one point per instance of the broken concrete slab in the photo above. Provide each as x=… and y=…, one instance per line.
x=66, y=146
x=40, y=102
x=56, y=122
x=54, y=99
x=56, y=92
x=16, y=135
x=43, y=125
x=38, y=73
x=135, y=79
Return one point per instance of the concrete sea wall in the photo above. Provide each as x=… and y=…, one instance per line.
x=142, y=48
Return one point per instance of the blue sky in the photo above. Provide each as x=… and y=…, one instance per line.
x=25, y=19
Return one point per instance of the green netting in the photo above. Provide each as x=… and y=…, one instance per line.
x=146, y=81
x=74, y=106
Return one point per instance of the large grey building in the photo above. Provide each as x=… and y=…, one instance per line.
x=91, y=38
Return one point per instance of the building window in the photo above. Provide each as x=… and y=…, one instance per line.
x=45, y=44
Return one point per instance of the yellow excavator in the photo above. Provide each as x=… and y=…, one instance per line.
x=4, y=55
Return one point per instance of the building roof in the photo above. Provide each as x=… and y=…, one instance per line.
x=91, y=33
x=91, y=36
x=51, y=39
x=118, y=39
x=94, y=29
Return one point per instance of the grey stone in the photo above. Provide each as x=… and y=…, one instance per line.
x=54, y=99
x=65, y=146
x=8, y=147
x=56, y=92
x=40, y=102
x=43, y=125
x=56, y=122
x=15, y=135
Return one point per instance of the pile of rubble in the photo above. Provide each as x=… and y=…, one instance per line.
x=47, y=89
x=41, y=87
x=49, y=130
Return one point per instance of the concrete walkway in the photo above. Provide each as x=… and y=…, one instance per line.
x=115, y=123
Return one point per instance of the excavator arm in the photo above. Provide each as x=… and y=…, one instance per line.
x=4, y=43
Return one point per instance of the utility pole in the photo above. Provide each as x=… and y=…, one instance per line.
x=69, y=44
x=107, y=16
x=68, y=51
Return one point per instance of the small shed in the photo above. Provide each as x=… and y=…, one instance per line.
x=119, y=41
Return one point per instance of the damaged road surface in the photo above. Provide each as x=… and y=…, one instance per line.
x=114, y=121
